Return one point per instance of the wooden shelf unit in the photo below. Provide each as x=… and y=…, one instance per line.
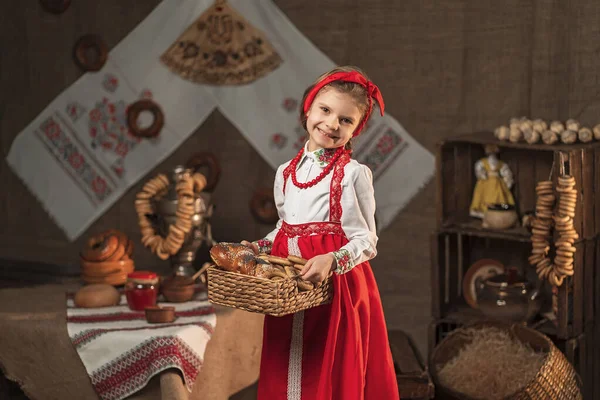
x=455, y=160
x=460, y=240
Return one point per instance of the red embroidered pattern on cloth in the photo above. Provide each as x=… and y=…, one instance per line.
x=312, y=228
x=132, y=316
x=130, y=372
x=87, y=336
x=335, y=196
x=343, y=261
x=74, y=158
x=264, y=245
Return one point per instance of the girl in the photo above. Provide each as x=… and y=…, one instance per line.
x=326, y=211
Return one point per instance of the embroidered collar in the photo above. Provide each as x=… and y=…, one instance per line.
x=321, y=156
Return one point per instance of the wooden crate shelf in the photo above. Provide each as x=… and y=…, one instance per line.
x=460, y=240
x=456, y=179
x=472, y=227
x=453, y=253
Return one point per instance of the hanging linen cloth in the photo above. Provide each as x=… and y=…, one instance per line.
x=77, y=176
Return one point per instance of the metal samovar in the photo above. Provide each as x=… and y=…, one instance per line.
x=182, y=262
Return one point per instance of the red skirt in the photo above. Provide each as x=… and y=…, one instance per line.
x=334, y=351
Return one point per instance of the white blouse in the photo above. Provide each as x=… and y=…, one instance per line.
x=300, y=206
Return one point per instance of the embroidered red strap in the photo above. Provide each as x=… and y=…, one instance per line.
x=312, y=228
x=335, y=192
x=353, y=76
x=286, y=174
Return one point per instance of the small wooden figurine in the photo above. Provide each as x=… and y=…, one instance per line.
x=494, y=181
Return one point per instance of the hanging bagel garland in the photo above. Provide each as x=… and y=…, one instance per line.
x=263, y=206
x=206, y=161
x=561, y=266
x=158, y=118
x=154, y=189
x=87, y=44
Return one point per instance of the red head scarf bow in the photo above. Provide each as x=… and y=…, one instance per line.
x=356, y=77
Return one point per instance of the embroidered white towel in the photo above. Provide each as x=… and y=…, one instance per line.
x=77, y=157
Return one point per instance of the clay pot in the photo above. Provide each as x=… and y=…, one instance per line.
x=500, y=216
x=178, y=294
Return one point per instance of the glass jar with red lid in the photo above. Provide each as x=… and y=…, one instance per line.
x=141, y=290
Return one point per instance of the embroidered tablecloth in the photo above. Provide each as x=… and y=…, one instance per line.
x=121, y=351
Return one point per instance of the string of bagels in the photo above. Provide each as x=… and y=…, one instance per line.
x=549, y=218
x=189, y=185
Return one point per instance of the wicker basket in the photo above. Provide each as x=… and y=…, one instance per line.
x=556, y=379
x=264, y=296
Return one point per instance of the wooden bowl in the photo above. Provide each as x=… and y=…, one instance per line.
x=178, y=294
x=160, y=315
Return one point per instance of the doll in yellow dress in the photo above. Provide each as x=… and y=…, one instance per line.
x=494, y=181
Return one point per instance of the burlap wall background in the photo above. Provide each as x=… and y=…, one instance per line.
x=444, y=67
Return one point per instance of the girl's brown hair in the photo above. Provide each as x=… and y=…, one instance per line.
x=354, y=90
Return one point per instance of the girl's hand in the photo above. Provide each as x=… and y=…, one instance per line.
x=253, y=246
x=317, y=268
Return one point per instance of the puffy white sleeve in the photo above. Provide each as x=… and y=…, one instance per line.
x=358, y=220
x=480, y=170
x=507, y=175
x=265, y=244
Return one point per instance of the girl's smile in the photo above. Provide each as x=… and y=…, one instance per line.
x=331, y=120
x=328, y=134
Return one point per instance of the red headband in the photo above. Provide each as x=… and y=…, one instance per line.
x=356, y=77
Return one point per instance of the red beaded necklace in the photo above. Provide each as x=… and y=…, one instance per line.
x=322, y=175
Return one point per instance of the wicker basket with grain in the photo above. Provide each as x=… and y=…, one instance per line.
x=493, y=360
x=263, y=284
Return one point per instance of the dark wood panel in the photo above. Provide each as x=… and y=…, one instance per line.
x=544, y=166
x=525, y=181
x=596, y=189
x=587, y=196
x=449, y=183
x=589, y=276
x=440, y=210
x=436, y=294
x=579, y=277
x=463, y=170
x=596, y=329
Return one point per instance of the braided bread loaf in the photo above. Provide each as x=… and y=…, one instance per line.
x=236, y=257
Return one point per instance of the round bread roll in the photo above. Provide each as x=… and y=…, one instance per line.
x=97, y=295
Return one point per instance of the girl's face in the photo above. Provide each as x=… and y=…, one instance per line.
x=331, y=119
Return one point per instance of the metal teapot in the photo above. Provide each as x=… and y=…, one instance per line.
x=508, y=297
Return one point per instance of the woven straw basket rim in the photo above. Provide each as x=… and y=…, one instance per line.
x=556, y=379
x=261, y=295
